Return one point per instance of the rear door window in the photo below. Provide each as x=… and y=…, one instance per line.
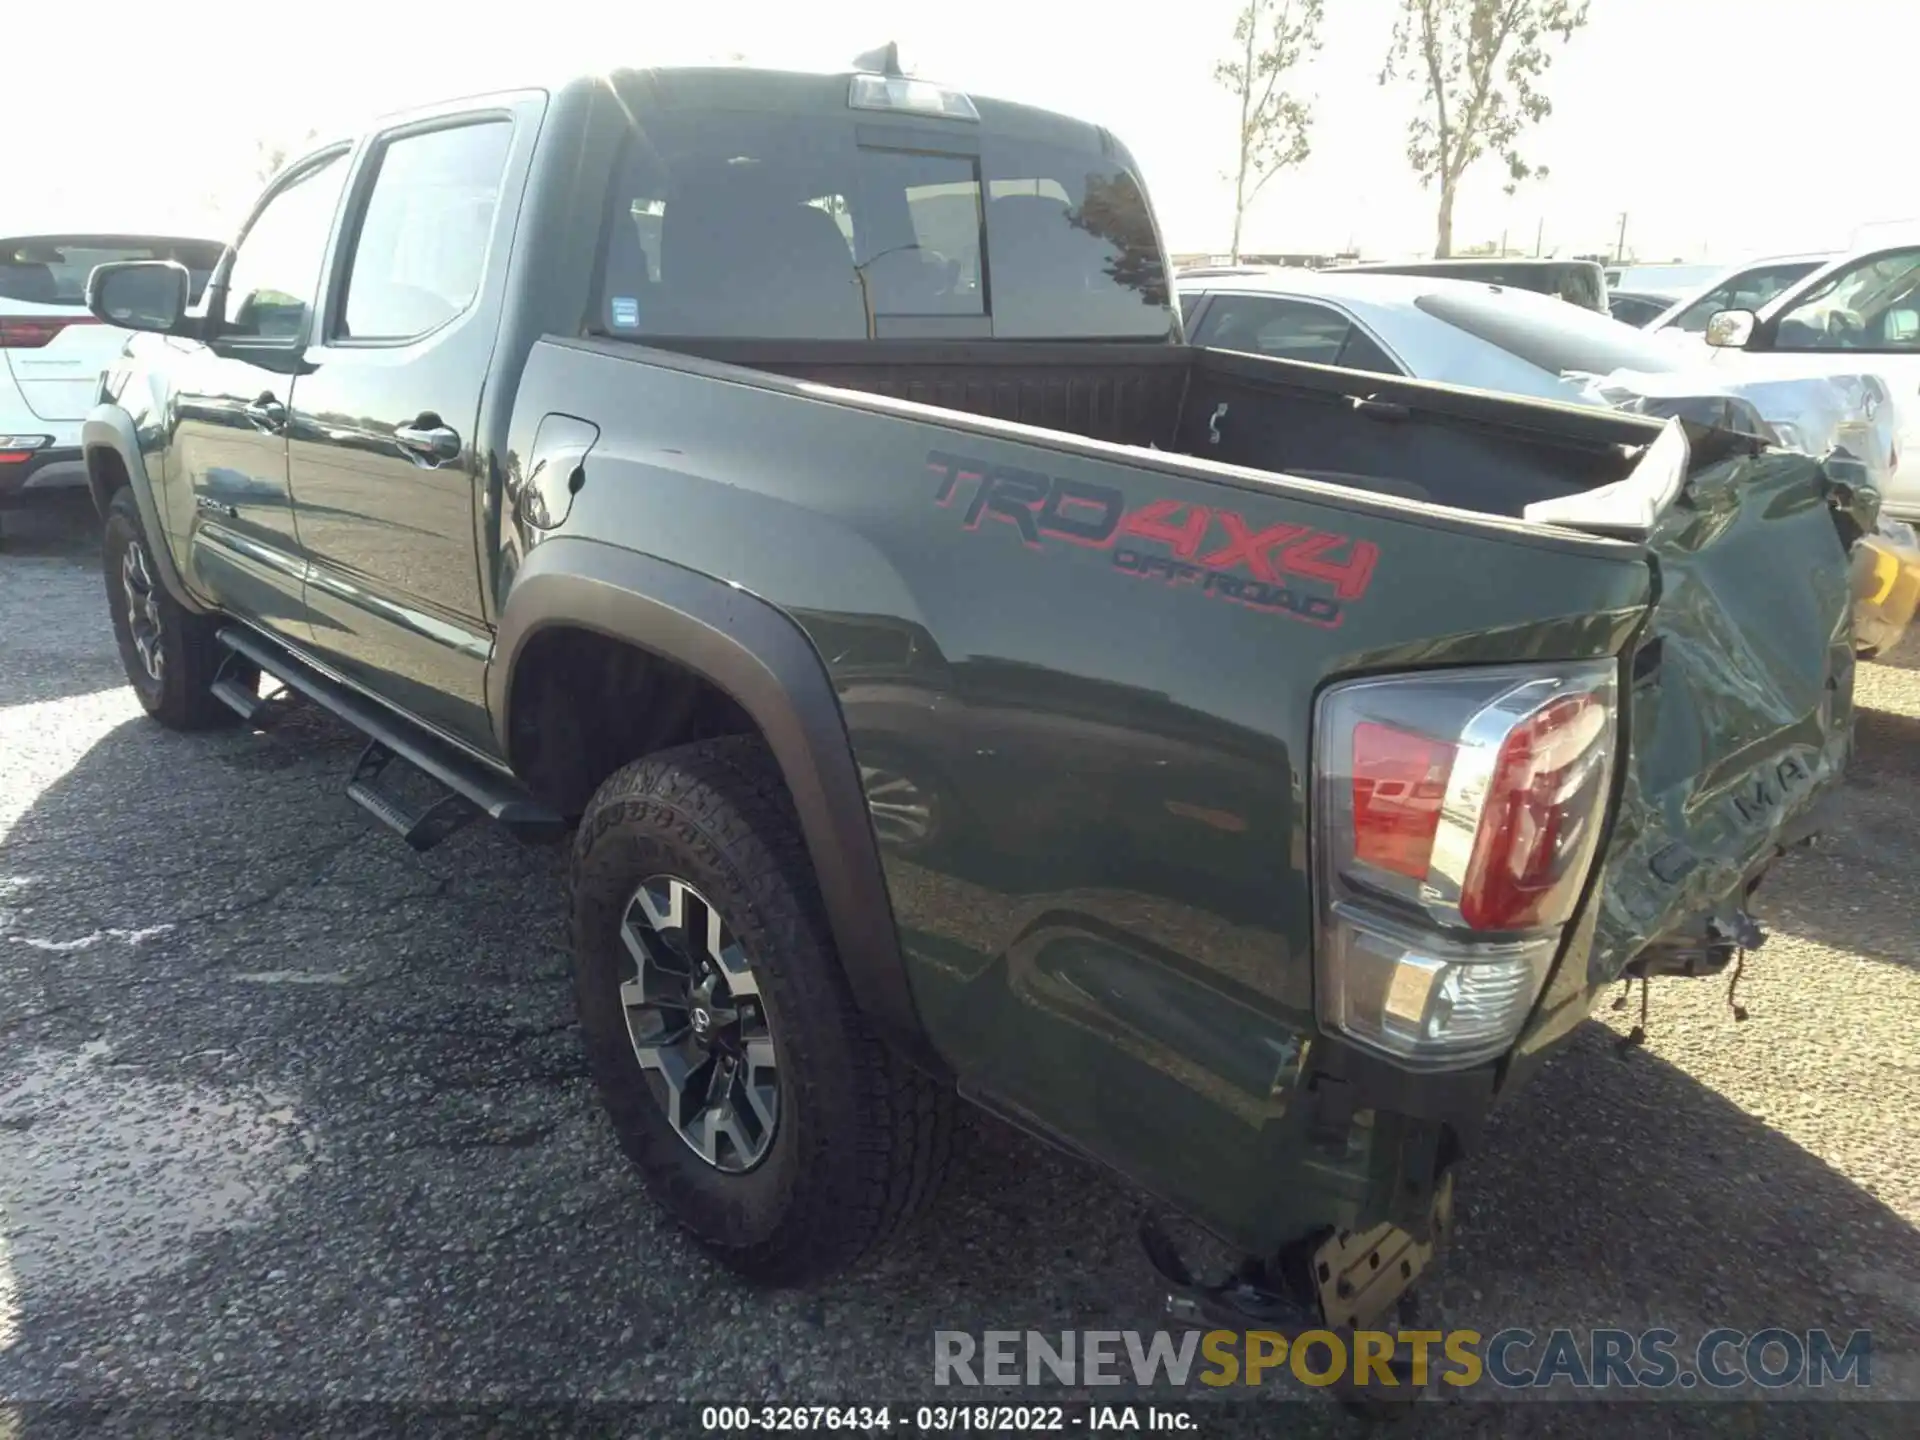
x=1362, y=353
x=744, y=225
x=1288, y=328
x=422, y=238
x=1284, y=329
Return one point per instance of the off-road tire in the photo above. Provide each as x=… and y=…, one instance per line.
x=862, y=1137
x=181, y=699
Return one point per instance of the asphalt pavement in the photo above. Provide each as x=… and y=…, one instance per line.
x=289, y=1113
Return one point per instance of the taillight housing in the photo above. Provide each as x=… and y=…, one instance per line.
x=30, y=332
x=1458, y=815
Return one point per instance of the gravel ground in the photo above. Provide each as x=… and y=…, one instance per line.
x=288, y=1113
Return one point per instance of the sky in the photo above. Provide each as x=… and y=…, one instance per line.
x=1720, y=128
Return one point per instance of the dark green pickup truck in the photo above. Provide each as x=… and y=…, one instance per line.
x=796, y=489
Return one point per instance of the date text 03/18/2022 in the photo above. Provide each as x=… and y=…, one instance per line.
x=945, y=1419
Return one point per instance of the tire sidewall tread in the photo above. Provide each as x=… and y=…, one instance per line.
x=862, y=1137
x=183, y=698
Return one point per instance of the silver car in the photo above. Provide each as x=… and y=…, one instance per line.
x=1488, y=337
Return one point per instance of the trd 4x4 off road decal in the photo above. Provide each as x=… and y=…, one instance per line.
x=1216, y=550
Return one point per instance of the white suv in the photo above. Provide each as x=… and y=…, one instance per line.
x=1858, y=313
x=52, y=351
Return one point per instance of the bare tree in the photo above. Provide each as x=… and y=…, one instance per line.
x=1270, y=38
x=272, y=155
x=1111, y=209
x=1479, y=65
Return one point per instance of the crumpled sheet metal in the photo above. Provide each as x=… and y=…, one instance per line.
x=1747, y=719
x=1850, y=415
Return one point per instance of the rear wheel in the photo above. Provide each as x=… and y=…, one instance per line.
x=170, y=654
x=741, y=1078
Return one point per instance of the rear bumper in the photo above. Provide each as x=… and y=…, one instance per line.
x=57, y=468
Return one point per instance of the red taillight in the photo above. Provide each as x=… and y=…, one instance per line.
x=30, y=332
x=1457, y=817
x=1541, y=798
x=1399, y=784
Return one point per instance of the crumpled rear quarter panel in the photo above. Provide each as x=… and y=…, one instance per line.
x=1740, y=713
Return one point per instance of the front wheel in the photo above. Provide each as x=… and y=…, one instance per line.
x=170, y=654
x=761, y=1109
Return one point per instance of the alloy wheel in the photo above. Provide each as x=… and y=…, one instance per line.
x=143, y=610
x=698, y=1026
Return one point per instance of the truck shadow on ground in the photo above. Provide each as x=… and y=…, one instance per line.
x=57, y=679
x=43, y=551
x=56, y=524
x=288, y=1112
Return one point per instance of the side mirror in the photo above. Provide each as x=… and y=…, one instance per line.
x=1731, y=329
x=140, y=294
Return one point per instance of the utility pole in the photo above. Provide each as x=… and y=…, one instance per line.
x=1620, y=247
x=1539, y=235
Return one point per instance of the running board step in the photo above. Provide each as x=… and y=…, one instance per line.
x=241, y=698
x=494, y=794
x=422, y=829
x=237, y=698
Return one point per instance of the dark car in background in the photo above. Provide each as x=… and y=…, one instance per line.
x=1579, y=282
x=1636, y=310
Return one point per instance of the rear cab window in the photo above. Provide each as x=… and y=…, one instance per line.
x=53, y=269
x=816, y=221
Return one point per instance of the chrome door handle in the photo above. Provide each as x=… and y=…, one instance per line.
x=431, y=443
x=266, y=412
